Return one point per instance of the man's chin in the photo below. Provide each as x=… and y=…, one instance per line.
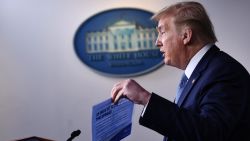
x=167, y=62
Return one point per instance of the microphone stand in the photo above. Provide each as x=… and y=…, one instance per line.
x=74, y=134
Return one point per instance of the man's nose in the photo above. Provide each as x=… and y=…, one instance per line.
x=158, y=43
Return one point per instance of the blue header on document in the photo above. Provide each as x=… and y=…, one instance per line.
x=112, y=122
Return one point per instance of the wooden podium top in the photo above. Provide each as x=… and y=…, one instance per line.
x=34, y=138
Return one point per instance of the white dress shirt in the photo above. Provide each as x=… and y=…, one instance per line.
x=196, y=59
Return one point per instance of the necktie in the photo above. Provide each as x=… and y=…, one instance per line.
x=181, y=86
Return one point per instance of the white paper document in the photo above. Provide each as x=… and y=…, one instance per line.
x=112, y=122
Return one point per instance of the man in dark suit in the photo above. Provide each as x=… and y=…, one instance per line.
x=213, y=104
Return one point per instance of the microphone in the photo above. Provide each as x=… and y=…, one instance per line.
x=74, y=134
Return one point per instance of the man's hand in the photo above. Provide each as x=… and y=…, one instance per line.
x=132, y=90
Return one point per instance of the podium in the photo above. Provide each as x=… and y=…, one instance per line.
x=34, y=138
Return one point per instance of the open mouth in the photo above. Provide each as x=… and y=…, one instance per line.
x=163, y=53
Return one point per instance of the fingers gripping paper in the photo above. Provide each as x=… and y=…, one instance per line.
x=112, y=122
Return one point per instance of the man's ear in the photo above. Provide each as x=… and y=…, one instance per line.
x=187, y=35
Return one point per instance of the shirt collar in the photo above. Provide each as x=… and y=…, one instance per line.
x=196, y=59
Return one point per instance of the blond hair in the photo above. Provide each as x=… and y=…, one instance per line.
x=191, y=14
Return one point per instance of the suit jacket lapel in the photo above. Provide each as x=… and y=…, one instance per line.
x=197, y=73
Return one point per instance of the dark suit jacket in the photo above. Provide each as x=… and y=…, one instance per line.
x=214, y=105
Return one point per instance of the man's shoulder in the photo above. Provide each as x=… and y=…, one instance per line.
x=223, y=59
x=224, y=64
